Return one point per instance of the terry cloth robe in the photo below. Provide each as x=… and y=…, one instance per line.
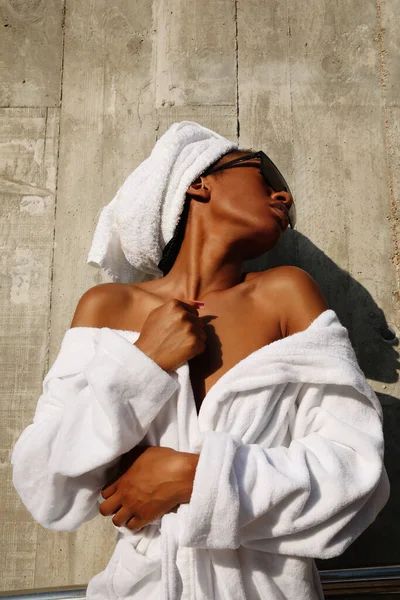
x=290, y=468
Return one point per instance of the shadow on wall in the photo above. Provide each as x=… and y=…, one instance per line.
x=375, y=343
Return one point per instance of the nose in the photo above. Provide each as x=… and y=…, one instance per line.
x=284, y=197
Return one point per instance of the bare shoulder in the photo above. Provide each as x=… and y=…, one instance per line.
x=301, y=300
x=99, y=302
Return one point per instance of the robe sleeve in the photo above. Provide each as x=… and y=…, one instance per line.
x=311, y=499
x=98, y=401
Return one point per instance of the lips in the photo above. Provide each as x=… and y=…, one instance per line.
x=281, y=210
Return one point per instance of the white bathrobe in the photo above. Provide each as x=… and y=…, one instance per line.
x=290, y=469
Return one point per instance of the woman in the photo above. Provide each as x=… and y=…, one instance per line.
x=251, y=443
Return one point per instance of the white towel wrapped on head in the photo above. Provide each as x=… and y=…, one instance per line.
x=134, y=228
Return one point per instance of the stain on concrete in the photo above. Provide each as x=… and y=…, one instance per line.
x=25, y=272
x=35, y=205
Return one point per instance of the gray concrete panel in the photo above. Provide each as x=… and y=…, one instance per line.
x=28, y=169
x=31, y=52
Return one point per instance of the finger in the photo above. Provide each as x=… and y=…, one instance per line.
x=109, y=507
x=196, y=304
x=109, y=490
x=122, y=516
x=191, y=308
x=134, y=523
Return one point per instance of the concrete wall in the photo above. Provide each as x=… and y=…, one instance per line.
x=86, y=88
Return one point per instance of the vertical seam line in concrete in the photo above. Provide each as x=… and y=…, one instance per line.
x=237, y=72
x=289, y=34
x=102, y=106
x=63, y=21
x=45, y=144
x=62, y=50
x=48, y=329
x=349, y=270
x=154, y=62
x=344, y=223
x=383, y=72
x=56, y=132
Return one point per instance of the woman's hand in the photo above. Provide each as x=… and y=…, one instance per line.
x=159, y=479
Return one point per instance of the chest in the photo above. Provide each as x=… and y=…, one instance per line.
x=231, y=337
x=236, y=324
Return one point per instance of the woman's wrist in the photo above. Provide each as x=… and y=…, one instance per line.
x=189, y=466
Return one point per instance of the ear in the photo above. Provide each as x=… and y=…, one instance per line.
x=199, y=189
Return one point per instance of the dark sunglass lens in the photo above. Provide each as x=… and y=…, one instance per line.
x=275, y=180
x=272, y=175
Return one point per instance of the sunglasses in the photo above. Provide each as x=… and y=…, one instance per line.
x=270, y=172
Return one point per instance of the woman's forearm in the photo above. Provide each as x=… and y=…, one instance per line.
x=188, y=467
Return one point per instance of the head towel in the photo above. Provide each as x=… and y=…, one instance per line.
x=134, y=228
